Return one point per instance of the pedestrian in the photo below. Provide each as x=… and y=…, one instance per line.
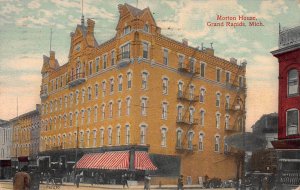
x=147, y=182
x=125, y=180
x=180, y=183
x=96, y=178
x=21, y=180
x=77, y=179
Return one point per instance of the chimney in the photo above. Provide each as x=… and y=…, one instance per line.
x=52, y=55
x=120, y=7
x=233, y=60
x=90, y=26
x=185, y=42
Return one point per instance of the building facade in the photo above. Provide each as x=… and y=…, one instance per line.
x=267, y=128
x=142, y=91
x=288, y=143
x=25, y=138
x=5, y=147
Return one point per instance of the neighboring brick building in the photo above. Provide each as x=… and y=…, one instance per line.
x=288, y=143
x=5, y=147
x=25, y=138
x=142, y=91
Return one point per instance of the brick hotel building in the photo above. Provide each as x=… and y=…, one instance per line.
x=150, y=101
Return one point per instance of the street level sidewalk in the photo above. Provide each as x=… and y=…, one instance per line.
x=85, y=186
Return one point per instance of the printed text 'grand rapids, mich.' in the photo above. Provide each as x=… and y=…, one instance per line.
x=235, y=21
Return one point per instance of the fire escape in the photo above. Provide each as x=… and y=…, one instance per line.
x=237, y=108
x=186, y=116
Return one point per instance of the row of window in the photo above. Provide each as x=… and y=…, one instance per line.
x=53, y=105
x=125, y=53
x=52, y=123
x=89, y=138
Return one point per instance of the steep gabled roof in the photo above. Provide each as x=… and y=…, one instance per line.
x=134, y=11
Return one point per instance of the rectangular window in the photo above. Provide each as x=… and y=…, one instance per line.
x=111, y=86
x=178, y=139
x=202, y=117
x=227, y=122
x=201, y=139
x=164, y=110
x=97, y=61
x=126, y=30
x=101, y=137
x=96, y=90
x=293, y=82
x=292, y=122
x=125, y=51
x=112, y=58
x=89, y=93
x=119, y=108
x=127, y=134
x=144, y=80
x=217, y=144
x=118, y=136
x=202, y=71
x=120, y=83
x=90, y=67
x=218, y=96
x=227, y=76
x=104, y=61
x=143, y=135
x=128, y=104
x=94, y=138
x=144, y=106
x=89, y=116
x=110, y=110
x=103, y=88
x=180, y=61
x=95, y=114
x=129, y=80
x=241, y=81
x=218, y=75
x=165, y=86
x=145, y=50
x=227, y=103
x=109, y=136
x=202, y=95
x=218, y=117
x=166, y=57
x=103, y=112
x=163, y=137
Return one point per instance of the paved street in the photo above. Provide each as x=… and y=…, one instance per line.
x=5, y=185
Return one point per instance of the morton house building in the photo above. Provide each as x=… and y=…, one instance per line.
x=140, y=101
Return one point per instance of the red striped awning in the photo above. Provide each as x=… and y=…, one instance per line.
x=143, y=162
x=118, y=160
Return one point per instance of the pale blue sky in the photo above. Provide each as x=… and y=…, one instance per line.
x=25, y=32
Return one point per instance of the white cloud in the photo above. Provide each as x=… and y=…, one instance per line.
x=10, y=8
x=32, y=22
x=27, y=63
x=34, y=5
x=268, y=9
x=67, y=4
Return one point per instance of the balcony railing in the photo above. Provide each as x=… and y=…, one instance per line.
x=232, y=128
x=187, y=69
x=124, y=60
x=181, y=96
x=186, y=121
x=77, y=79
x=182, y=148
x=44, y=94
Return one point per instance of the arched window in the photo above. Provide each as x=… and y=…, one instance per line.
x=293, y=82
